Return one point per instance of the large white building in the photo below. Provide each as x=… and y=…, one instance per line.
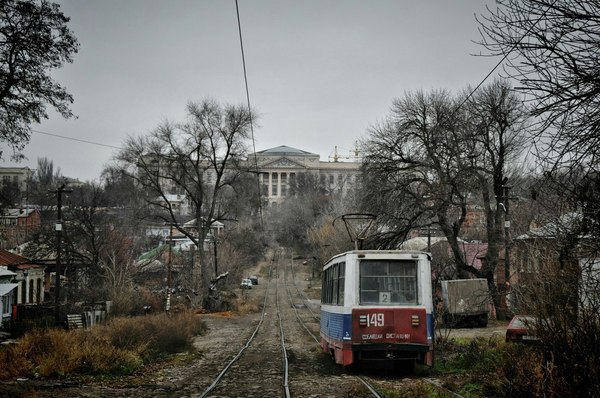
x=280, y=169
x=282, y=172
x=19, y=176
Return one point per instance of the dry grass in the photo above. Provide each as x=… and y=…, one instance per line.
x=117, y=348
x=247, y=306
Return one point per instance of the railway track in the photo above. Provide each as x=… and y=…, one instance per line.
x=306, y=317
x=271, y=354
x=282, y=358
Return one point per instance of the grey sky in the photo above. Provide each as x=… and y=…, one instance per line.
x=320, y=72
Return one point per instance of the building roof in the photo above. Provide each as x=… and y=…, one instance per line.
x=420, y=242
x=5, y=272
x=16, y=213
x=6, y=288
x=14, y=260
x=283, y=150
x=564, y=224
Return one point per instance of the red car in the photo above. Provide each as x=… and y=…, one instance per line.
x=519, y=329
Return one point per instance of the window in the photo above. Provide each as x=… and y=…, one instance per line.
x=31, y=291
x=388, y=282
x=265, y=183
x=292, y=184
x=333, y=284
x=39, y=291
x=284, y=184
x=6, y=305
x=274, y=184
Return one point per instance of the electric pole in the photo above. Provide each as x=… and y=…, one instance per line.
x=59, y=192
x=169, y=265
x=506, y=198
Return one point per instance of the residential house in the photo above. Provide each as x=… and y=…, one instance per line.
x=16, y=225
x=29, y=277
x=7, y=293
x=543, y=246
x=560, y=249
x=18, y=176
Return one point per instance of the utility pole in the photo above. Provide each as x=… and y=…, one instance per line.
x=215, y=253
x=506, y=198
x=59, y=192
x=169, y=265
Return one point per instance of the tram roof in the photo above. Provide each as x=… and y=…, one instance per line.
x=373, y=251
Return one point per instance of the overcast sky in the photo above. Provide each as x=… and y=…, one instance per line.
x=319, y=72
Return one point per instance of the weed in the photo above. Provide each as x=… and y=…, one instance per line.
x=117, y=348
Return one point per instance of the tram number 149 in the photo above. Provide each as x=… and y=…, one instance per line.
x=375, y=319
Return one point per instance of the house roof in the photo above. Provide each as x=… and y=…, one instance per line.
x=473, y=251
x=5, y=272
x=192, y=223
x=11, y=259
x=6, y=288
x=563, y=224
x=420, y=243
x=284, y=150
x=16, y=213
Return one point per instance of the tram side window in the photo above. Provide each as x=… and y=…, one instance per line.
x=333, y=284
x=388, y=282
x=341, y=281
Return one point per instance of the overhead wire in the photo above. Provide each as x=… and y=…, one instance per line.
x=471, y=93
x=506, y=54
x=75, y=139
x=237, y=9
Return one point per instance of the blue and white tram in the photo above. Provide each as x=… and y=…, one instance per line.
x=377, y=305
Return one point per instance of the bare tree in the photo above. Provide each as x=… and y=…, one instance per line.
x=199, y=159
x=551, y=48
x=497, y=125
x=415, y=169
x=432, y=158
x=34, y=40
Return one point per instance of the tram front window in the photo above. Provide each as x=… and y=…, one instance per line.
x=388, y=282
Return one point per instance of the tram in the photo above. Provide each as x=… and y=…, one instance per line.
x=377, y=306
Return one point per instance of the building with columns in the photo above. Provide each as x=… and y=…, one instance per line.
x=282, y=168
x=282, y=171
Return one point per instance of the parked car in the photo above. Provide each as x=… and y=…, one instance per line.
x=519, y=330
x=246, y=284
x=253, y=279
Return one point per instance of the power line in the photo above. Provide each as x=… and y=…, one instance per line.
x=237, y=10
x=75, y=139
x=505, y=56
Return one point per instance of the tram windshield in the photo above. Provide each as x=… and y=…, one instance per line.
x=388, y=282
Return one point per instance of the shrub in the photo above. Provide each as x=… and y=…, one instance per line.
x=119, y=347
x=247, y=305
x=132, y=302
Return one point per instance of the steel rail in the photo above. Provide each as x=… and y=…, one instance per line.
x=299, y=319
x=286, y=387
x=368, y=385
x=248, y=342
